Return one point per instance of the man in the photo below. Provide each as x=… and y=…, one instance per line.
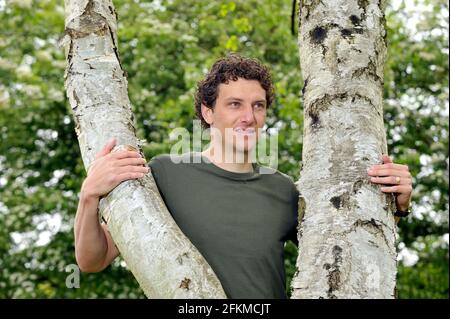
x=236, y=216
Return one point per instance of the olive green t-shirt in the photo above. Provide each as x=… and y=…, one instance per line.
x=239, y=222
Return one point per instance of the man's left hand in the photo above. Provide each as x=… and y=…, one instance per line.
x=395, y=178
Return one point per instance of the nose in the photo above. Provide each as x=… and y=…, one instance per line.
x=248, y=114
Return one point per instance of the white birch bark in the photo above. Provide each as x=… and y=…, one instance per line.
x=160, y=256
x=347, y=232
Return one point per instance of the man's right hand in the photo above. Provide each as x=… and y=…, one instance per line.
x=109, y=169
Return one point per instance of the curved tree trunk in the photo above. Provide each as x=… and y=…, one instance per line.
x=163, y=260
x=347, y=233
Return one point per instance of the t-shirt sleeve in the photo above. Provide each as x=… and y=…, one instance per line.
x=294, y=204
x=159, y=174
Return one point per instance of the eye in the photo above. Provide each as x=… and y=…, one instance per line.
x=235, y=104
x=260, y=106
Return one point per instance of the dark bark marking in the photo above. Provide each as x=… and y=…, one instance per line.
x=357, y=185
x=336, y=201
x=90, y=22
x=373, y=244
x=346, y=33
x=301, y=216
x=307, y=8
x=349, y=33
x=383, y=23
x=363, y=4
x=324, y=102
x=334, y=272
x=76, y=98
x=371, y=226
x=185, y=283
x=318, y=35
x=341, y=201
x=131, y=127
x=372, y=223
x=304, y=86
x=355, y=20
x=179, y=259
x=365, y=98
x=315, y=122
x=299, y=14
x=320, y=105
x=70, y=55
x=77, y=120
x=116, y=51
x=370, y=71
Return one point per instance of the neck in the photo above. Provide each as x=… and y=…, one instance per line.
x=231, y=166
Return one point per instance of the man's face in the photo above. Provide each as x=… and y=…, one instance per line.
x=238, y=115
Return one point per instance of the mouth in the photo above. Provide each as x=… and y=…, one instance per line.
x=245, y=131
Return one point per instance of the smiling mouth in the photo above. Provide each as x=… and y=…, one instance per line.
x=246, y=131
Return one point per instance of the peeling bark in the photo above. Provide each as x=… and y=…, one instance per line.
x=347, y=231
x=163, y=260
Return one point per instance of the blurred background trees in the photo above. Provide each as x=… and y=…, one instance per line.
x=166, y=46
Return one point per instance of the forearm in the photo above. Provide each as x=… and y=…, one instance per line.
x=90, y=243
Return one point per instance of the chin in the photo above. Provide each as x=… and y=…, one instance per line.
x=245, y=150
x=245, y=144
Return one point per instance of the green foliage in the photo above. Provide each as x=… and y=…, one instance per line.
x=165, y=47
x=429, y=277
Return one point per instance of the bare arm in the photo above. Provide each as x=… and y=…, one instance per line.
x=94, y=246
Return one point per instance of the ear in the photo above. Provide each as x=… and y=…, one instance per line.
x=207, y=114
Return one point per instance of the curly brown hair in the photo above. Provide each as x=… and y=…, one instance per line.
x=231, y=68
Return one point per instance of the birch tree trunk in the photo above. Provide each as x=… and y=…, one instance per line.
x=163, y=260
x=347, y=232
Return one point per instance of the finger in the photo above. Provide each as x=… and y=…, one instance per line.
x=389, y=172
x=390, y=165
x=130, y=161
x=132, y=169
x=386, y=159
x=406, y=189
x=125, y=154
x=129, y=175
x=107, y=148
x=391, y=180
